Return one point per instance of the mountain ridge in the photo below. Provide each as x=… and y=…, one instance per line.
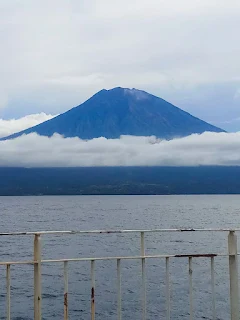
x=122, y=111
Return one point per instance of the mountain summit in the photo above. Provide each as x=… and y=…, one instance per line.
x=120, y=111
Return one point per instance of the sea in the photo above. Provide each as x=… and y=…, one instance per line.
x=45, y=213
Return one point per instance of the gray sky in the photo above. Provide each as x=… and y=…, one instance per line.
x=55, y=54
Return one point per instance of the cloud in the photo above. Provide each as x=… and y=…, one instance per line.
x=230, y=121
x=38, y=151
x=8, y=127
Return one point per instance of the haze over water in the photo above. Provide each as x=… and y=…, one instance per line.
x=117, y=212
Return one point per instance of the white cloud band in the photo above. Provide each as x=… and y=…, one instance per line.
x=38, y=151
x=8, y=127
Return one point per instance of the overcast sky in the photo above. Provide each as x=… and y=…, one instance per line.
x=55, y=54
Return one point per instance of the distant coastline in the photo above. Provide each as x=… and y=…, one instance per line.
x=120, y=181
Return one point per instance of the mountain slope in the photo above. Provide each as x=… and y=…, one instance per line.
x=119, y=111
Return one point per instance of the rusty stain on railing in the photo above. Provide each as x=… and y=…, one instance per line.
x=66, y=300
x=196, y=255
x=38, y=261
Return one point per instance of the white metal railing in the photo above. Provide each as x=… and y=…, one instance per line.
x=37, y=262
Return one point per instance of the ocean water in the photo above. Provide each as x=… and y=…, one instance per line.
x=117, y=212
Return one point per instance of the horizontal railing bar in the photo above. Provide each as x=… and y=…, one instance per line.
x=204, y=255
x=116, y=231
x=140, y=257
x=30, y=262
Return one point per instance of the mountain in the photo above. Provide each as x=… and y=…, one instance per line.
x=120, y=111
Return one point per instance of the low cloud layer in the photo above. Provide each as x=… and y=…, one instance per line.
x=38, y=151
x=8, y=127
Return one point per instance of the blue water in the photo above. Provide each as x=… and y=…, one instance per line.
x=117, y=212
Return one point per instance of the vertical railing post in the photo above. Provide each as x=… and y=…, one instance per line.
x=233, y=274
x=119, y=299
x=167, y=289
x=213, y=289
x=37, y=278
x=8, y=292
x=93, y=290
x=143, y=276
x=190, y=272
x=65, y=266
